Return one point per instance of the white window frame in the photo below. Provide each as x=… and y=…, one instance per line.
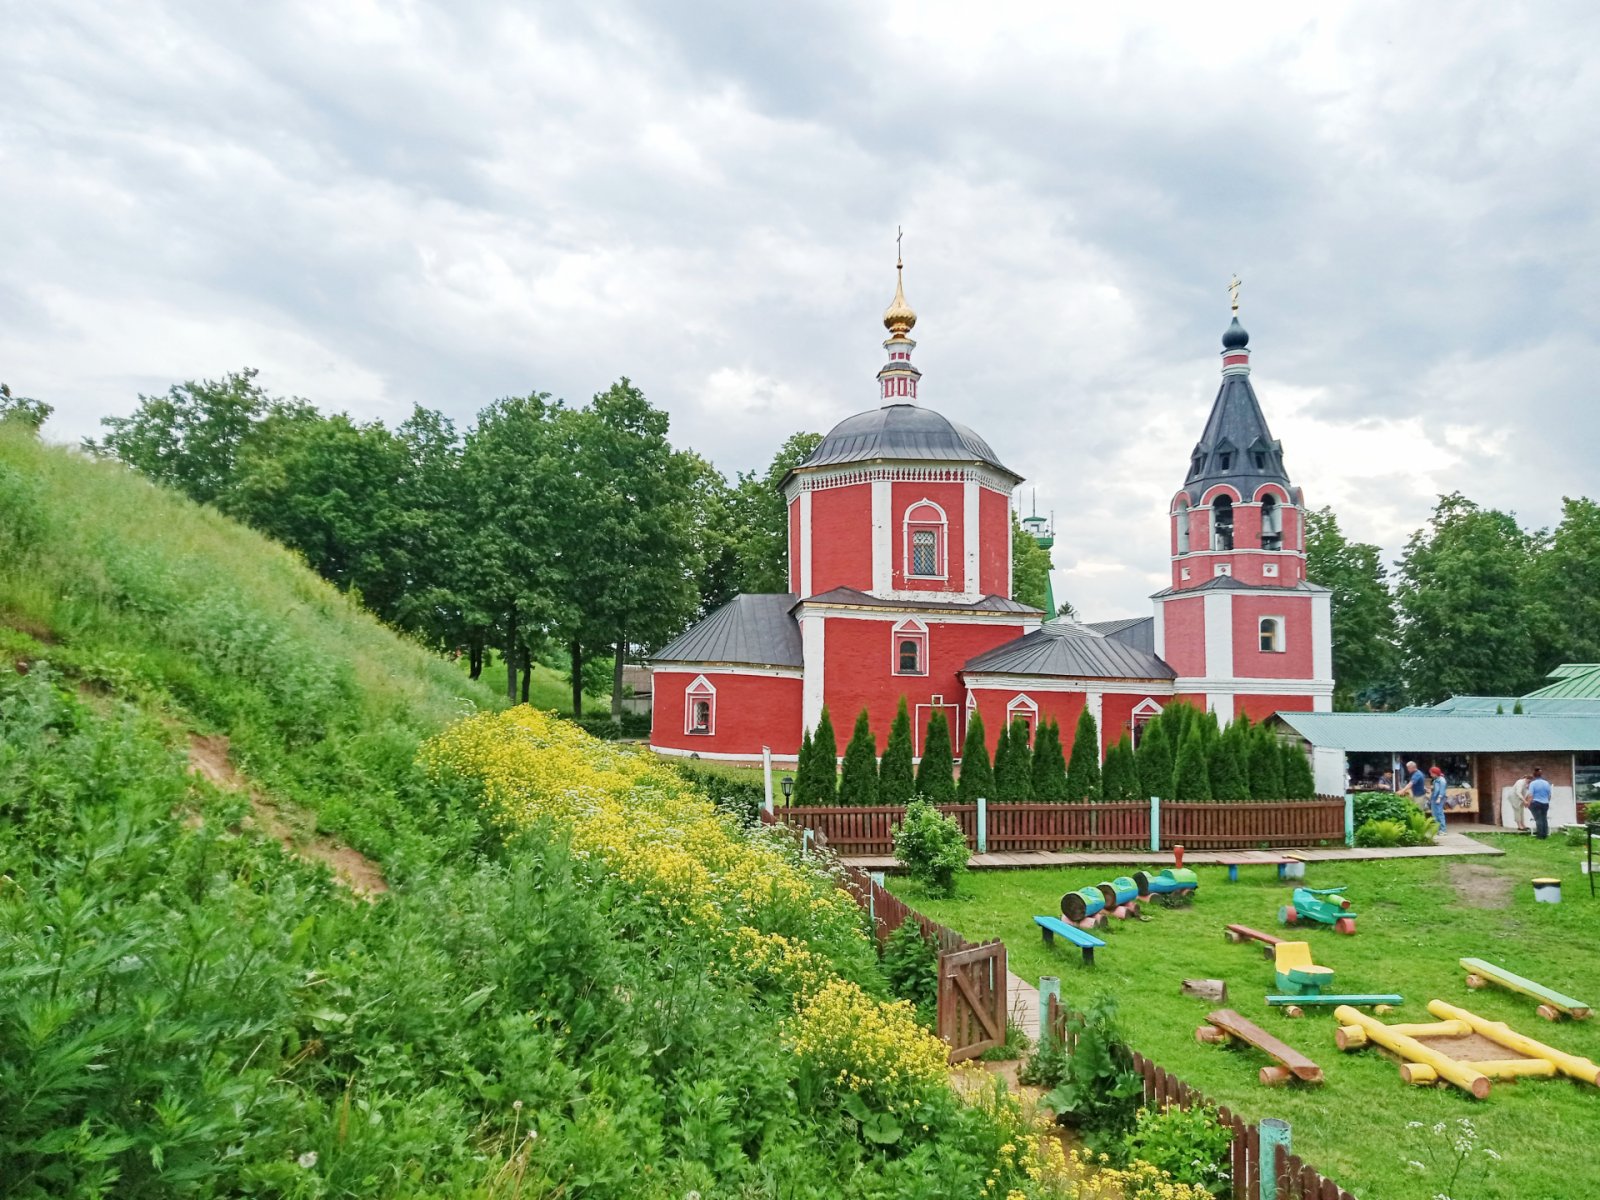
x=1181, y=513
x=1269, y=570
x=908, y=630
x=1143, y=713
x=941, y=540
x=1222, y=569
x=1279, y=630
x=1024, y=707
x=700, y=691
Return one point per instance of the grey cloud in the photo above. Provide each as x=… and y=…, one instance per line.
x=444, y=204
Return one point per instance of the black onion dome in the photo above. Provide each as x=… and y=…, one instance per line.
x=902, y=433
x=1235, y=338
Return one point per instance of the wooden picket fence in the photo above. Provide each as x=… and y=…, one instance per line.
x=1295, y=1179
x=1118, y=825
x=972, y=1002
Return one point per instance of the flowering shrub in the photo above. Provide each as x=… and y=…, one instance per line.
x=1188, y=1143
x=863, y=1045
x=763, y=915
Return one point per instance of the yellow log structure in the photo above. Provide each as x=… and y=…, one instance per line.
x=1499, y=1032
x=1463, y=1075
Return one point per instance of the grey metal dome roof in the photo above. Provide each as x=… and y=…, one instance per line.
x=902, y=432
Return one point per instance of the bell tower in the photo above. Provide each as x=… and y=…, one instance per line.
x=1241, y=624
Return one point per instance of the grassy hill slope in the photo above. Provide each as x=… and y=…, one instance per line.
x=618, y=994
x=132, y=591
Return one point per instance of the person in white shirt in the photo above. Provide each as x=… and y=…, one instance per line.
x=1518, y=803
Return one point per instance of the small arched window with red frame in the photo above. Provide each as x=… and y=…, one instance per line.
x=700, y=707
x=908, y=650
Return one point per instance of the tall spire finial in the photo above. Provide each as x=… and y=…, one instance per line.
x=1234, y=285
x=899, y=317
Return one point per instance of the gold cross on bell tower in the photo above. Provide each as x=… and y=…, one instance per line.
x=1234, y=285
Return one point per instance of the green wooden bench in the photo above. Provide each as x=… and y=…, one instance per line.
x=1552, y=1003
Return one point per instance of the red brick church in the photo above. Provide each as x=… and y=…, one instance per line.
x=900, y=585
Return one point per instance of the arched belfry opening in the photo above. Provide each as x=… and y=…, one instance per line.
x=1271, y=523
x=1222, y=523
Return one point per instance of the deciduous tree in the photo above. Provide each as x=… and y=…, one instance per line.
x=1471, y=616
x=1030, y=569
x=1366, y=661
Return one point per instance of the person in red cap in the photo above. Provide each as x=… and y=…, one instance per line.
x=1436, y=796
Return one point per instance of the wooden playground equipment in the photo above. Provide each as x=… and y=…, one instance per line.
x=1297, y=975
x=1225, y=1025
x=1459, y=1039
x=1177, y=882
x=1309, y=904
x=1243, y=933
x=1552, y=1004
x=1052, y=927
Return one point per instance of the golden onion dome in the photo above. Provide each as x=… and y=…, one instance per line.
x=899, y=318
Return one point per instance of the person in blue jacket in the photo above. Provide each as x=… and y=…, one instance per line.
x=1539, y=803
x=1436, y=796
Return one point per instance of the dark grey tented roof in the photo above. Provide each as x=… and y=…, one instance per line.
x=749, y=630
x=1138, y=632
x=902, y=432
x=1071, y=651
x=1236, y=448
x=1227, y=583
x=846, y=595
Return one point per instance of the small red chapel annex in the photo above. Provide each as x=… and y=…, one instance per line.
x=900, y=585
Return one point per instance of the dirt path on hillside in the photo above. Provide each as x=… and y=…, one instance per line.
x=208, y=758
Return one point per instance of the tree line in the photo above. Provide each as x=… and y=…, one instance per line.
x=1182, y=754
x=544, y=530
x=1478, y=604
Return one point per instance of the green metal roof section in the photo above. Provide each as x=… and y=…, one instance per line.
x=1489, y=706
x=1481, y=734
x=1573, y=681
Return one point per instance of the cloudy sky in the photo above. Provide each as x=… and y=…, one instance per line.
x=382, y=204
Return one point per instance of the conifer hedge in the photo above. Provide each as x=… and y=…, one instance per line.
x=858, y=781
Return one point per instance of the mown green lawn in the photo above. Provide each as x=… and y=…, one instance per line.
x=1413, y=927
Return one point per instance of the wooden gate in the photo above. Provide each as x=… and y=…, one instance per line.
x=972, y=999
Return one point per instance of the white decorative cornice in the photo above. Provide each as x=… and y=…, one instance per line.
x=850, y=474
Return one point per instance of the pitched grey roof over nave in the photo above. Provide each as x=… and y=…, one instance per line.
x=749, y=630
x=900, y=433
x=1064, y=649
x=847, y=595
x=1138, y=632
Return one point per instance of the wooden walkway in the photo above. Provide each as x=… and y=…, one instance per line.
x=1451, y=844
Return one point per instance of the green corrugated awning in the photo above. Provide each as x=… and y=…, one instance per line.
x=1415, y=733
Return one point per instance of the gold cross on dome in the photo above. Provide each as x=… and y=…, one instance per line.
x=898, y=234
x=1234, y=285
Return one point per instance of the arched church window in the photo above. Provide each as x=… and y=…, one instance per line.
x=1271, y=629
x=700, y=707
x=1182, y=517
x=925, y=532
x=909, y=647
x=1222, y=523
x=910, y=656
x=1271, y=523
